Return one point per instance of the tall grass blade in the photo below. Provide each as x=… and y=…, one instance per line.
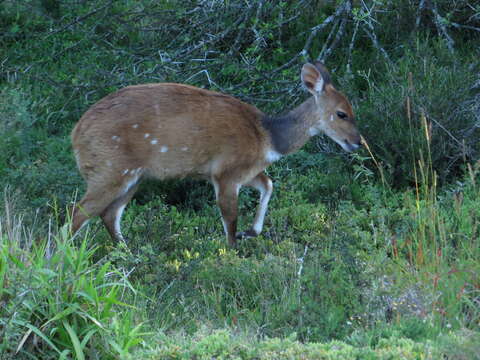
x=35, y=330
x=76, y=343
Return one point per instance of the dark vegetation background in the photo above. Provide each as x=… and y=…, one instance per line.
x=378, y=249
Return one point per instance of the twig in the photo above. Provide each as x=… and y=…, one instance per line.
x=441, y=28
x=301, y=261
x=350, y=47
x=213, y=39
x=325, y=44
x=340, y=32
x=421, y=6
x=313, y=32
x=79, y=19
x=338, y=36
x=371, y=34
x=327, y=21
x=460, y=26
x=241, y=33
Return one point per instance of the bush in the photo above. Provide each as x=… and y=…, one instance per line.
x=27, y=150
x=437, y=126
x=57, y=303
x=227, y=345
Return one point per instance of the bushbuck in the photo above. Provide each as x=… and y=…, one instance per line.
x=169, y=130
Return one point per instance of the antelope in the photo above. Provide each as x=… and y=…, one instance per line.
x=169, y=130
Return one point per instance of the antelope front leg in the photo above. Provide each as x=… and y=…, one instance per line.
x=227, y=198
x=264, y=185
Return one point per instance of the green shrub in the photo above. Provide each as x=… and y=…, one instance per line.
x=438, y=123
x=228, y=345
x=57, y=303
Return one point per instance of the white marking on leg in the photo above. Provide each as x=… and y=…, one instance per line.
x=216, y=188
x=154, y=141
x=164, y=149
x=146, y=135
x=130, y=183
x=118, y=218
x=135, y=126
x=125, y=172
x=265, y=194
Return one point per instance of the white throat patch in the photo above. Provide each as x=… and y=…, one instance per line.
x=313, y=131
x=272, y=156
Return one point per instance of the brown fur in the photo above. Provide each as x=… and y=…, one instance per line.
x=173, y=131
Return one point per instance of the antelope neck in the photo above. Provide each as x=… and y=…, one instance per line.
x=290, y=131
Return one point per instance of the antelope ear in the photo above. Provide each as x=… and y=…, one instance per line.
x=312, y=79
x=323, y=71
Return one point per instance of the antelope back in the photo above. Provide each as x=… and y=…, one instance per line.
x=167, y=130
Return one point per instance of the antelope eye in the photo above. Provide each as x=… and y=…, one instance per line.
x=341, y=114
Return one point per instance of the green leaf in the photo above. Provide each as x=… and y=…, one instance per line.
x=62, y=314
x=76, y=343
x=87, y=337
x=15, y=28
x=36, y=331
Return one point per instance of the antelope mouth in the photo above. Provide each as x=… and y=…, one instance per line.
x=348, y=146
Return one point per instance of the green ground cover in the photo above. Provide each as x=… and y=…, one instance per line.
x=372, y=255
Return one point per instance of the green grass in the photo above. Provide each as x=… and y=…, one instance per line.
x=56, y=301
x=387, y=275
x=373, y=255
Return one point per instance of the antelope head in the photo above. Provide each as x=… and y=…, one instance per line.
x=332, y=113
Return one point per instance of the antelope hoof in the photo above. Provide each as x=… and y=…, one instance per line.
x=246, y=234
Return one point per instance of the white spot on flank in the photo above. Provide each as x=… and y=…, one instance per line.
x=164, y=149
x=146, y=135
x=135, y=126
x=184, y=148
x=272, y=156
x=154, y=141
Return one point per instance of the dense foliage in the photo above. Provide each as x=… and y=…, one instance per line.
x=375, y=254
